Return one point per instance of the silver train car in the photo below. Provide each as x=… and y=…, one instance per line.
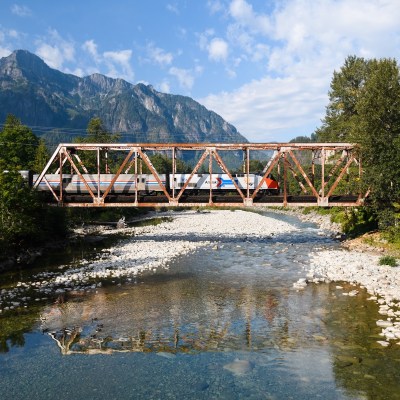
x=125, y=183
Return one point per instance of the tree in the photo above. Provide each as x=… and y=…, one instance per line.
x=41, y=157
x=341, y=113
x=378, y=131
x=18, y=208
x=365, y=108
x=97, y=133
x=18, y=144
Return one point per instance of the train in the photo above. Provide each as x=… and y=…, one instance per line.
x=147, y=183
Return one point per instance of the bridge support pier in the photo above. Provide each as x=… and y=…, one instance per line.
x=248, y=202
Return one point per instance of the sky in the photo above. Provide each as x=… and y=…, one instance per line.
x=265, y=66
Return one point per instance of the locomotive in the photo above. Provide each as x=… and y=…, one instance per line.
x=147, y=184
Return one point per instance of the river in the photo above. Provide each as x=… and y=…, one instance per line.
x=222, y=321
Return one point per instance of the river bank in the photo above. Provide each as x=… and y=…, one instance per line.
x=356, y=263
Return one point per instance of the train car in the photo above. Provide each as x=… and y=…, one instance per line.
x=223, y=182
x=125, y=183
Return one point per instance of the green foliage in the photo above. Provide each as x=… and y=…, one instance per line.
x=364, y=108
x=163, y=165
x=97, y=133
x=304, y=139
x=17, y=145
x=356, y=221
x=41, y=157
x=24, y=221
x=388, y=260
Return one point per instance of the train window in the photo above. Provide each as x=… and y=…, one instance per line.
x=143, y=180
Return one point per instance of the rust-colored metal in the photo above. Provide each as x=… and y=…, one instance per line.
x=285, y=155
x=303, y=173
x=226, y=170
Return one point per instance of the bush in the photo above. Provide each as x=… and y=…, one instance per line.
x=388, y=260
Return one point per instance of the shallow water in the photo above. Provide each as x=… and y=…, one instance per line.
x=223, y=323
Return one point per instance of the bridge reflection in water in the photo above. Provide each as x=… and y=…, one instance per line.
x=184, y=318
x=308, y=174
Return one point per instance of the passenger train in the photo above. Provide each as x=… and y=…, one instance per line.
x=148, y=184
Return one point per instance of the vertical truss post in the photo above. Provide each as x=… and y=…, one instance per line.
x=322, y=200
x=136, y=177
x=284, y=179
x=173, y=171
x=210, y=173
x=60, y=197
x=248, y=201
x=98, y=173
x=313, y=167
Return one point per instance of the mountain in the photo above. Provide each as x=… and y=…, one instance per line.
x=47, y=99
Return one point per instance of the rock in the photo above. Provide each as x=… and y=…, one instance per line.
x=383, y=343
x=383, y=323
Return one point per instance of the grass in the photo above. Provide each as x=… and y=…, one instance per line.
x=388, y=260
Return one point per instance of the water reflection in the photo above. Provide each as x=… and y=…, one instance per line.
x=171, y=319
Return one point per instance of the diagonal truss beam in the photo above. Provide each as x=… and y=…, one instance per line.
x=65, y=152
x=195, y=169
x=338, y=179
x=225, y=168
x=300, y=168
x=147, y=161
x=122, y=166
x=272, y=162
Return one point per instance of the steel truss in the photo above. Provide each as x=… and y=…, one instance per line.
x=334, y=160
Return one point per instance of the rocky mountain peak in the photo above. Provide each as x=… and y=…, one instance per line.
x=45, y=97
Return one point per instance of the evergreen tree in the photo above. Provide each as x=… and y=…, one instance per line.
x=41, y=157
x=18, y=145
x=97, y=133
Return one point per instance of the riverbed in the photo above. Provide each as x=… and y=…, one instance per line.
x=210, y=304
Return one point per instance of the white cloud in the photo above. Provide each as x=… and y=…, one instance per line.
x=117, y=61
x=263, y=109
x=4, y=52
x=21, y=11
x=243, y=14
x=165, y=87
x=185, y=77
x=300, y=43
x=173, y=7
x=215, y=6
x=55, y=50
x=218, y=49
x=91, y=47
x=158, y=55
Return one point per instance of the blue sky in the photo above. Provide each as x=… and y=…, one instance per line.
x=265, y=66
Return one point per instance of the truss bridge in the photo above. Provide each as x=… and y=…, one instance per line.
x=202, y=174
